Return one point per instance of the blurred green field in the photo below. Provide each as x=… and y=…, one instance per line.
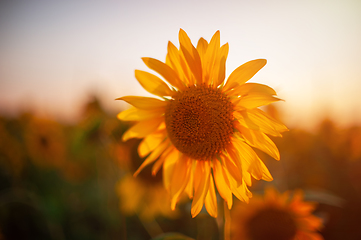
x=74, y=181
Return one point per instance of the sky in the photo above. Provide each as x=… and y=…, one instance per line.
x=55, y=54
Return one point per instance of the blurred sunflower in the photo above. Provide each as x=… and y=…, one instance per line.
x=275, y=217
x=144, y=195
x=45, y=142
x=202, y=124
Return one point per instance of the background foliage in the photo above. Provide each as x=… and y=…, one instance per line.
x=68, y=181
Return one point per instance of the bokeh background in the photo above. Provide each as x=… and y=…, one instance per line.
x=64, y=172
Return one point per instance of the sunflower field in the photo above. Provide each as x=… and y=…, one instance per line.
x=75, y=181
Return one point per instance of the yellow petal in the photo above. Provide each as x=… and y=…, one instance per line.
x=247, y=178
x=176, y=60
x=145, y=103
x=201, y=185
x=248, y=155
x=210, y=57
x=266, y=175
x=191, y=55
x=243, y=73
x=248, y=88
x=150, y=142
x=202, y=49
x=134, y=114
x=211, y=200
x=161, y=160
x=194, y=64
x=168, y=168
x=254, y=100
x=153, y=156
x=242, y=193
x=221, y=183
x=190, y=185
x=232, y=152
x=234, y=171
x=220, y=68
x=185, y=41
x=164, y=70
x=239, y=190
x=179, y=179
x=264, y=124
x=142, y=128
x=244, y=120
x=260, y=140
x=173, y=60
x=189, y=78
x=153, y=84
x=278, y=126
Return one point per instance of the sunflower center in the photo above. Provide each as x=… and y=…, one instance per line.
x=199, y=121
x=272, y=224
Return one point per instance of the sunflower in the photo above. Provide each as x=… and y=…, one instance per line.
x=45, y=142
x=144, y=195
x=202, y=129
x=276, y=216
x=144, y=198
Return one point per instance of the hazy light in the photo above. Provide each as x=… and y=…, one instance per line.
x=52, y=54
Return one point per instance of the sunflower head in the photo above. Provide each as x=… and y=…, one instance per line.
x=45, y=142
x=202, y=129
x=275, y=217
x=199, y=121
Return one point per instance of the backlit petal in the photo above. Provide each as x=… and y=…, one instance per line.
x=264, y=124
x=233, y=170
x=142, y=129
x=256, y=100
x=168, y=168
x=260, y=140
x=222, y=186
x=202, y=48
x=153, y=84
x=248, y=154
x=145, y=103
x=190, y=186
x=134, y=114
x=239, y=190
x=210, y=57
x=150, y=142
x=201, y=185
x=193, y=64
x=244, y=73
x=173, y=60
x=163, y=157
x=266, y=175
x=248, y=88
x=191, y=55
x=262, y=116
x=220, y=72
x=179, y=179
x=244, y=120
x=164, y=70
x=188, y=76
x=235, y=159
x=211, y=200
x=153, y=156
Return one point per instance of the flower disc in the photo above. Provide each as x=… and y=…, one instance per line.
x=199, y=121
x=272, y=224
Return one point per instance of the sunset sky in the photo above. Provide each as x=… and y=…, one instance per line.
x=54, y=54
